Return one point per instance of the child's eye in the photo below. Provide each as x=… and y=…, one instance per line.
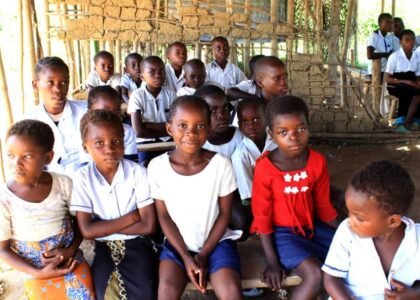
x=283, y=132
x=118, y=141
x=201, y=126
x=50, y=82
x=99, y=143
x=301, y=129
x=182, y=125
x=10, y=156
x=27, y=156
x=214, y=110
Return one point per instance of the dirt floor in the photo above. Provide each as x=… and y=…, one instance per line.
x=342, y=161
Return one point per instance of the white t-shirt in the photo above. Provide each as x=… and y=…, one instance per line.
x=228, y=77
x=173, y=82
x=244, y=159
x=185, y=91
x=399, y=63
x=357, y=262
x=195, y=209
x=381, y=44
x=32, y=222
x=228, y=148
x=68, y=142
x=128, y=191
x=247, y=86
x=94, y=80
x=127, y=82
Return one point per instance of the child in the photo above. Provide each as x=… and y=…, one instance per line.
x=195, y=220
x=131, y=80
x=375, y=253
x=37, y=235
x=177, y=56
x=291, y=201
x=222, y=137
x=402, y=76
x=195, y=75
x=103, y=73
x=221, y=70
x=247, y=88
x=52, y=84
x=105, y=97
x=113, y=206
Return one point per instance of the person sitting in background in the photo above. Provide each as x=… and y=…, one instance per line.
x=131, y=80
x=195, y=75
x=103, y=72
x=177, y=56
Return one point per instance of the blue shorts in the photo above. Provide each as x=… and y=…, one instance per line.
x=293, y=248
x=224, y=255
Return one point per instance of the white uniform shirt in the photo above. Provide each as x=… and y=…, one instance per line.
x=195, y=209
x=127, y=82
x=173, y=82
x=228, y=148
x=153, y=110
x=244, y=159
x=228, y=77
x=68, y=142
x=247, y=86
x=94, y=80
x=185, y=91
x=399, y=63
x=357, y=262
x=381, y=44
x=128, y=191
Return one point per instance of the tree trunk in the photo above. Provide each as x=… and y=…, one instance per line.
x=333, y=39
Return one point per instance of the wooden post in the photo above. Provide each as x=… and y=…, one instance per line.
x=382, y=6
x=148, y=48
x=101, y=45
x=46, y=33
x=2, y=173
x=118, y=56
x=376, y=85
x=29, y=44
x=291, y=23
x=5, y=96
x=206, y=54
x=306, y=27
x=333, y=39
x=247, y=42
x=393, y=7
x=274, y=8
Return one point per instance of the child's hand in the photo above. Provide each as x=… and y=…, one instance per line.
x=193, y=272
x=401, y=292
x=51, y=270
x=201, y=261
x=273, y=276
x=50, y=256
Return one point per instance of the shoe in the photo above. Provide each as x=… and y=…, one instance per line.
x=254, y=292
x=402, y=129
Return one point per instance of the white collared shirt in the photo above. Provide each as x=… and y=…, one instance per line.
x=381, y=44
x=228, y=148
x=94, y=80
x=68, y=142
x=244, y=159
x=247, y=86
x=173, y=82
x=185, y=91
x=228, y=77
x=399, y=63
x=357, y=262
x=128, y=191
x=128, y=82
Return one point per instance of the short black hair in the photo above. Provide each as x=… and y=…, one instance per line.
x=254, y=101
x=261, y=64
x=219, y=39
x=190, y=100
x=285, y=105
x=180, y=44
x=389, y=183
x=150, y=60
x=196, y=63
x=407, y=32
x=40, y=132
x=99, y=116
x=384, y=16
x=50, y=62
x=209, y=89
x=133, y=55
x=103, y=89
x=102, y=54
x=252, y=62
x=399, y=20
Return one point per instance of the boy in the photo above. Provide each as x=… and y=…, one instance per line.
x=177, y=56
x=380, y=44
x=221, y=70
x=131, y=80
x=194, y=74
x=375, y=253
x=103, y=73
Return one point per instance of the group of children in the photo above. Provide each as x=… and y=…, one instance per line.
x=218, y=184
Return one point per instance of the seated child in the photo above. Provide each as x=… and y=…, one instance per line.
x=103, y=72
x=195, y=75
x=222, y=137
x=291, y=206
x=111, y=198
x=221, y=70
x=131, y=79
x=375, y=253
x=63, y=115
x=177, y=56
x=37, y=235
x=402, y=76
x=193, y=191
x=105, y=97
x=247, y=88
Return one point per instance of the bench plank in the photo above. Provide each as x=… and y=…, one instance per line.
x=161, y=146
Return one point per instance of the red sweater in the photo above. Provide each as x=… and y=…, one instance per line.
x=291, y=199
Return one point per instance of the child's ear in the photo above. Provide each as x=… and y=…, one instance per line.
x=141, y=76
x=48, y=157
x=394, y=220
x=168, y=128
x=258, y=80
x=125, y=70
x=84, y=147
x=35, y=84
x=270, y=133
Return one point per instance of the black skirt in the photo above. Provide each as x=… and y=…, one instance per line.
x=404, y=93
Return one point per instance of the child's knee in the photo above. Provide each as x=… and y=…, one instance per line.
x=310, y=271
x=231, y=291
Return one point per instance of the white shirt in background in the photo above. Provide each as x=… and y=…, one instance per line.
x=228, y=77
x=127, y=82
x=381, y=44
x=399, y=63
x=173, y=82
x=228, y=148
x=94, y=80
x=247, y=86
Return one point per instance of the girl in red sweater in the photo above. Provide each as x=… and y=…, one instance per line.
x=291, y=201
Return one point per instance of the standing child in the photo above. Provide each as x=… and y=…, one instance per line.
x=113, y=206
x=103, y=72
x=221, y=70
x=37, y=235
x=105, y=97
x=375, y=253
x=195, y=75
x=195, y=220
x=63, y=115
x=131, y=80
x=291, y=201
x=177, y=56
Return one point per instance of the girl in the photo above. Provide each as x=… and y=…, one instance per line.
x=113, y=205
x=291, y=193
x=37, y=235
x=195, y=220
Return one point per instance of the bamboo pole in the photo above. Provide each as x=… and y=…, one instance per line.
x=46, y=34
x=118, y=56
x=306, y=27
x=247, y=42
x=291, y=23
x=393, y=7
x=35, y=27
x=2, y=173
x=376, y=85
x=29, y=44
x=274, y=8
x=4, y=94
x=382, y=6
x=20, y=70
x=101, y=45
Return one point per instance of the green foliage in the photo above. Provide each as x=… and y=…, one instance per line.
x=366, y=28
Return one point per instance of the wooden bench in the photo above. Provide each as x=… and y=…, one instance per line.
x=161, y=146
x=252, y=265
